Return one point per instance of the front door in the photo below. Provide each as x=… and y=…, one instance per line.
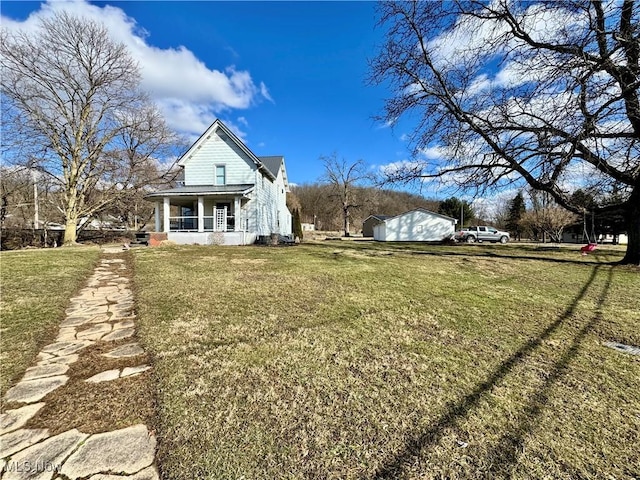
x=227, y=223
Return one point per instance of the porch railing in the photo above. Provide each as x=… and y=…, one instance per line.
x=214, y=223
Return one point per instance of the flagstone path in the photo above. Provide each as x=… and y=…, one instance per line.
x=101, y=313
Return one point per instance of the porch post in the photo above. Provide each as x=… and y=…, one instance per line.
x=157, y=215
x=236, y=213
x=201, y=214
x=167, y=207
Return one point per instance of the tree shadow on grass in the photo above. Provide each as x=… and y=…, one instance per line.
x=505, y=454
x=599, y=258
x=486, y=251
x=455, y=411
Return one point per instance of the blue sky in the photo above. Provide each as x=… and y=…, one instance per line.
x=288, y=77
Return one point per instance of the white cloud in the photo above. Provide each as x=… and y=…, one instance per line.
x=475, y=39
x=265, y=92
x=433, y=152
x=233, y=126
x=402, y=168
x=190, y=93
x=387, y=124
x=181, y=114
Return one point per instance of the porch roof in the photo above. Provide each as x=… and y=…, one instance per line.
x=204, y=190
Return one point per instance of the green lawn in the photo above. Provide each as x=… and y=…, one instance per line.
x=361, y=360
x=35, y=287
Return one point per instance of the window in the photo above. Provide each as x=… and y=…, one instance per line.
x=221, y=176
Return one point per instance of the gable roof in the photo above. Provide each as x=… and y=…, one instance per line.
x=273, y=163
x=420, y=209
x=378, y=217
x=218, y=125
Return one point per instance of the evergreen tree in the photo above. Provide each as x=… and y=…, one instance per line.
x=516, y=211
x=451, y=207
x=297, y=225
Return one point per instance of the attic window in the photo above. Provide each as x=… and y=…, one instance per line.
x=221, y=175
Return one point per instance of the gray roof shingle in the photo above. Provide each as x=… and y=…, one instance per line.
x=272, y=163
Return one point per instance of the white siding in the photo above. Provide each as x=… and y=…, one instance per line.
x=200, y=167
x=269, y=213
x=414, y=226
x=266, y=205
x=379, y=232
x=284, y=216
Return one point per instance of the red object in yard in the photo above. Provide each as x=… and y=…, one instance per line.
x=588, y=248
x=156, y=238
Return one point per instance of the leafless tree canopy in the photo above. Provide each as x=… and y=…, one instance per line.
x=72, y=108
x=503, y=91
x=343, y=177
x=546, y=218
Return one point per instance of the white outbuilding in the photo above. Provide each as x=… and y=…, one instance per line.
x=418, y=225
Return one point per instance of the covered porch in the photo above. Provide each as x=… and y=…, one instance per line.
x=203, y=215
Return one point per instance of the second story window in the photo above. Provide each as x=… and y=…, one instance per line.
x=221, y=175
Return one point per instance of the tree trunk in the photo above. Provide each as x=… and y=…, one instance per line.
x=632, y=214
x=70, y=228
x=346, y=223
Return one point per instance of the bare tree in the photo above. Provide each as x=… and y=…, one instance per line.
x=29, y=197
x=72, y=106
x=510, y=92
x=343, y=177
x=315, y=206
x=546, y=218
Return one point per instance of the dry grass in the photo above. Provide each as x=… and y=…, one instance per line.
x=36, y=287
x=362, y=360
x=97, y=407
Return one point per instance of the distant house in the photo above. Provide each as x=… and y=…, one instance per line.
x=575, y=234
x=418, y=225
x=370, y=222
x=226, y=194
x=308, y=227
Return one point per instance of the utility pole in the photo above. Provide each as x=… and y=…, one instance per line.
x=461, y=215
x=36, y=220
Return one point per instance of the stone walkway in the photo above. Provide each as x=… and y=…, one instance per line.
x=101, y=314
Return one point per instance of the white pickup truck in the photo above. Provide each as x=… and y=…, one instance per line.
x=481, y=233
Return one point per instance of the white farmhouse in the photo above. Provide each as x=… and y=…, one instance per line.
x=228, y=195
x=418, y=225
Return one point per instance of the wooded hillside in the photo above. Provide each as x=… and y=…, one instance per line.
x=317, y=206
